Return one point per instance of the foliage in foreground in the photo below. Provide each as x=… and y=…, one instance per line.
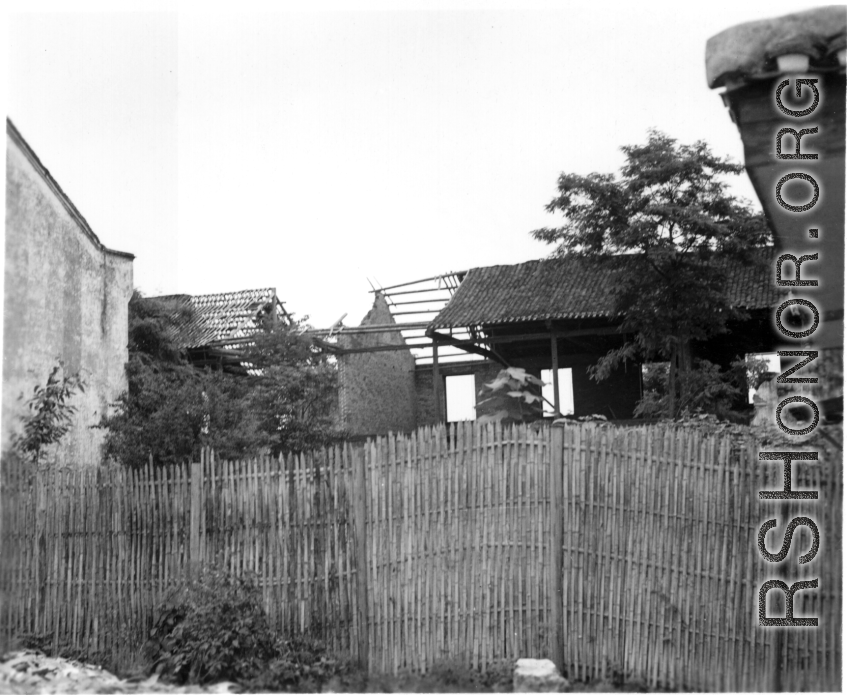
x=215, y=628
x=49, y=414
x=303, y=665
x=513, y=396
x=212, y=628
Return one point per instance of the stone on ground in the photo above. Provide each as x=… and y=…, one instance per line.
x=538, y=676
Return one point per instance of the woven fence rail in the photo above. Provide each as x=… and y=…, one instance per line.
x=620, y=553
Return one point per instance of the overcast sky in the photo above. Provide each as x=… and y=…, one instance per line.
x=312, y=151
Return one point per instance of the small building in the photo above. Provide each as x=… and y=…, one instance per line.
x=551, y=317
x=209, y=328
x=558, y=313
x=66, y=299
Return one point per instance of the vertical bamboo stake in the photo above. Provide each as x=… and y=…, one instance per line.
x=441, y=497
x=424, y=615
x=476, y=452
x=503, y=463
x=401, y=457
x=194, y=531
x=455, y=526
x=606, y=559
x=557, y=530
x=360, y=507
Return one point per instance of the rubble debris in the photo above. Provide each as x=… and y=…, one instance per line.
x=29, y=671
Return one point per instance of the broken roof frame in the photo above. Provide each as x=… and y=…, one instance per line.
x=427, y=297
x=432, y=331
x=470, y=337
x=221, y=322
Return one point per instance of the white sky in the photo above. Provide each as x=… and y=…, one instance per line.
x=309, y=151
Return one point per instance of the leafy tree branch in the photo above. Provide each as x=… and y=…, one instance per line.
x=669, y=211
x=49, y=414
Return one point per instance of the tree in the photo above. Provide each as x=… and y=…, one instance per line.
x=294, y=387
x=669, y=210
x=170, y=408
x=710, y=391
x=50, y=414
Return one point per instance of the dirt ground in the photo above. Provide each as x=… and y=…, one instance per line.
x=28, y=672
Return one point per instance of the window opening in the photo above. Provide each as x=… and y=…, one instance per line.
x=565, y=391
x=461, y=397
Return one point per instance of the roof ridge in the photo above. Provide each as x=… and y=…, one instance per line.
x=585, y=257
x=258, y=291
x=13, y=132
x=580, y=287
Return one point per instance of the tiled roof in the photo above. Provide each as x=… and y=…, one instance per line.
x=220, y=317
x=748, y=50
x=574, y=288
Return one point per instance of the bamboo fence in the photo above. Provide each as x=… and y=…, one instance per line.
x=620, y=553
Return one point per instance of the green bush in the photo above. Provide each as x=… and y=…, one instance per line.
x=302, y=665
x=453, y=676
x=213, y=628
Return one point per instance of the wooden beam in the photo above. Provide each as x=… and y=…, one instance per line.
x=436, y=383
x=600, y=330
x=373, y=328
x=554, y=349
x=418, y=301
x=417, y=282
x=331, y=347
x=431, y=289
x=375, y=348
x=468, y=346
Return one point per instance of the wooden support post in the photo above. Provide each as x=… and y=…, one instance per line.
x=196, y=511
x=557, y=533
x=554, y=349
x=360, y=507
x=436, y=383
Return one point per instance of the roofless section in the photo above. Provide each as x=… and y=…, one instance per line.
x=412, y=307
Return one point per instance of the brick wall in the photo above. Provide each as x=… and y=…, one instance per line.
x=376, y=390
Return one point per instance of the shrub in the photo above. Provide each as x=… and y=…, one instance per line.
x=453, y=676
x=213, y=628
x=302, y=665
x=513, y=396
